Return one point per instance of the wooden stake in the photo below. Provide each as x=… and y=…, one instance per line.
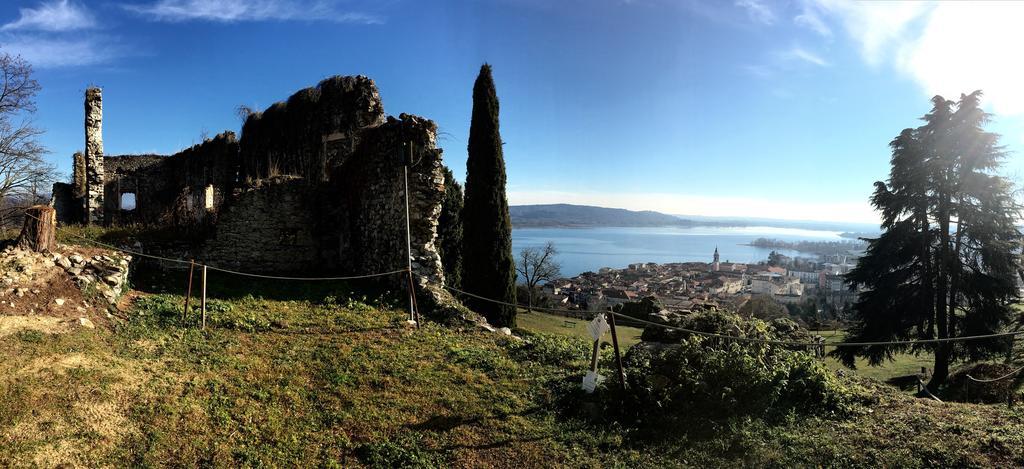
x=412, y=295
x=615, y=344
x=188, y=294
x=204, y=298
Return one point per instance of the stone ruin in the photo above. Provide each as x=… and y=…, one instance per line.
x=314, y=184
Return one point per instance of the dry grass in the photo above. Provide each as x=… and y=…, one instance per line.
x=340, y=383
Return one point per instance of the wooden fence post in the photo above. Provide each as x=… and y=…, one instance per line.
x=204, y=298
x=188, y=294
x=615, y=345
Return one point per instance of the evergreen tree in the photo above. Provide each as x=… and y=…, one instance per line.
x=449, y=230
x=945, y=264
x=488, y=267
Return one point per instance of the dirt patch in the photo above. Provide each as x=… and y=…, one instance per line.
x=45, y=324
x=59, y=284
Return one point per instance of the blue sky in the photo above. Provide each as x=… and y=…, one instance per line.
x=745, y=108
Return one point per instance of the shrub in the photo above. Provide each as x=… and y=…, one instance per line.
x=960, y=388
x=675, y=383
x=691, y=376
x=550, y=349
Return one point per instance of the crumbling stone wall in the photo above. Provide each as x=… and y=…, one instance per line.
x=146, y=176
x=78, y=175
x=370, y=187
x=94, y=155
x=173, y=190
x=313, y=184
x=67, y=204
x=314, y=130
x=269, y=227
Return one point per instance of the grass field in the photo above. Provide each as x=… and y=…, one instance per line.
x=903, y=365
x=328, y=375
x=553, y=324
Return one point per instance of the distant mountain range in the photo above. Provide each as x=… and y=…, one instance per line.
x=567, y=215
x=581, y=216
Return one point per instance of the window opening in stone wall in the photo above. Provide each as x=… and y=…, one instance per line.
x=128, y=201
x=208, y=197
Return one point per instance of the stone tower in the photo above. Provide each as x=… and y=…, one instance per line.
x=94, y=155
x=714, y=262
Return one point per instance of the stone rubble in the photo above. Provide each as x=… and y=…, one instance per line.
x=21, y=270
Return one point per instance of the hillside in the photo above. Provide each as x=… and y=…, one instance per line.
x=329, y=374
x=567, y=215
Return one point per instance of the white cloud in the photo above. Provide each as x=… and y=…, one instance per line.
x=804, y=55
x=757, y=11
x=763, y=207
x=875, y=25
x=228, y=11
x=53, y=16
x=810, y=19
x=54, y=52
x=948, y=48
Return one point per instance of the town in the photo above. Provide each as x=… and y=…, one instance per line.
x=685, y=286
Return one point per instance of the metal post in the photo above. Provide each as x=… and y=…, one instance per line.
x=188, y=294
x=408, y=236
x=615, y=345
x=204, y=298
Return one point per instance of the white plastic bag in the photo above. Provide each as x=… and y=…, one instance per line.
x=591, y=381
x=598, y=327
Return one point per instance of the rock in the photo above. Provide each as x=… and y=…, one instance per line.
x=86, y=323
x=59, y=301
x=76, y=259
x=505, y=330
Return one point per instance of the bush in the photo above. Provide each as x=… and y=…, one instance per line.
x=691, y=376
x=960, y=388
x=676, y=383
x=550, y=349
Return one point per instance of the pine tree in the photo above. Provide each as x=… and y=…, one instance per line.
x=488, y=266
x=945, y=264
x=449, y=231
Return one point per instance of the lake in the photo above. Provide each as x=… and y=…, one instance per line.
x=589, y=249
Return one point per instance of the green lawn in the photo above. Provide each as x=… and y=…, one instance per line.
x=329, y=381
x=328, y=375
x=553, y=324
x=903, y=365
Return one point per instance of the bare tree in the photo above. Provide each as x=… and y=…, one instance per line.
x=537, y=264
x=24, y=173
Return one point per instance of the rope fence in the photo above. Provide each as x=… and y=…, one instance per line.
x=1008, y=375
x=553, y=310
x=818, y=346
x=220, y=269
x=762, y=341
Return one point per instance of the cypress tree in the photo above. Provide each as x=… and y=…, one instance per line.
x=449, y=231
x=488, y=266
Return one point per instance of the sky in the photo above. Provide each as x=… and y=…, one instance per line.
x=744, y=108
